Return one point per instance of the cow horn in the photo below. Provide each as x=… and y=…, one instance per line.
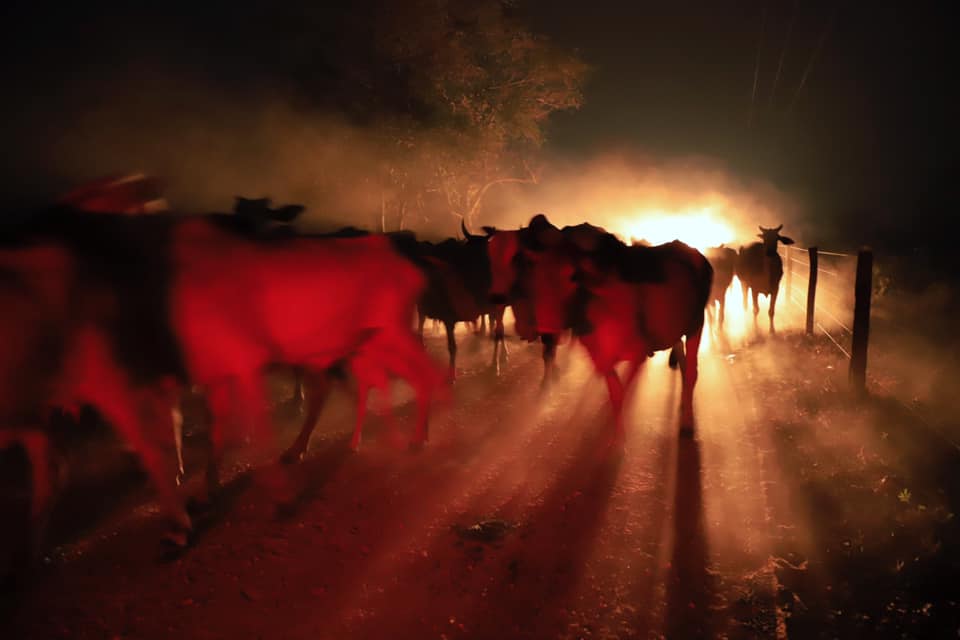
x=463, y=227
x=761, y=228
x=778, y=228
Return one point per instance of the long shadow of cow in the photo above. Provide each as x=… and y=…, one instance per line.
x=690, y=586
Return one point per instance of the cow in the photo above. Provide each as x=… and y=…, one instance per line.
x=723, y=259
x=239, y=304
x=457, y=274
x=622, y=302
x=62, y=324
x=204, y=300
x=760, y=268
x=513, y=280
x=474, y=263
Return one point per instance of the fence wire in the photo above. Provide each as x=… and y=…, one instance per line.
x=831, y=304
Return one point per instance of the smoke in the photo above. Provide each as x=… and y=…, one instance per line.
x=205, y=146
x=617, y=188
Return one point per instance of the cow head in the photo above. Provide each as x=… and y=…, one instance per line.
x=510, y=250
x=771, y=237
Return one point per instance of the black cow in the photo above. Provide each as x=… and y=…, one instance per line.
x=724, y=262
x=760, y=268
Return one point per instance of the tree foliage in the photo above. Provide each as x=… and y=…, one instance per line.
x=458, y=93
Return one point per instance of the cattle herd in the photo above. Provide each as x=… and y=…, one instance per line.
x=123, y=313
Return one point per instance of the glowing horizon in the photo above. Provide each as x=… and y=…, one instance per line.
x=700, y=229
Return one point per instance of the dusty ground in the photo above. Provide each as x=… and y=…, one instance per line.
x=796, y=512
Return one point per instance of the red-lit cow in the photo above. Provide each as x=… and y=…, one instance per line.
x=623, y=303
x=57, y=325
x=510, y=285
x=240, y=304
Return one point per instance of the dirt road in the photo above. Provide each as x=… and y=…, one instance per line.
x=795, y=512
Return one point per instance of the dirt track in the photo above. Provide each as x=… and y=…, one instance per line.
x=794, y=513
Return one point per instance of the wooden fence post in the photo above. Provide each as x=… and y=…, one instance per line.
x=812, y=289
x=861, y=321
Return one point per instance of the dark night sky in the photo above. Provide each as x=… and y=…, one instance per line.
x=868, y=138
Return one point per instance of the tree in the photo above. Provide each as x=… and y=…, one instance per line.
x=481, y=88
x=454, y=93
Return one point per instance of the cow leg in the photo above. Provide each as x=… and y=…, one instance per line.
x=252, y=404
x=39, y=454
x=452, y=348
x=745, y=290
x=549, y=359
x=363, y=391
x=723, y=308
x=320, y=385
x=177, y=417
x=690, y=374
x=676, y=356
x=299, y=395
x=499, y=346
x=420, y=322
x=107, y=388
x=616, y=390
x=410, y=362
x=116, y=407
x=773, y=308
x=756, y=305
x=219, y=411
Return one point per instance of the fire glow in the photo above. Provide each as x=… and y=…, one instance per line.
x=701, y=229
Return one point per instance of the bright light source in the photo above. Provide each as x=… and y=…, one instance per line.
x=700, y=230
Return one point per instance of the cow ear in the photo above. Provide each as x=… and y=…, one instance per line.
x=785, y=239
x=759, y=235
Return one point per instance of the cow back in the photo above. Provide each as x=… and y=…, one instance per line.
x=121, y=264
x=308, y=298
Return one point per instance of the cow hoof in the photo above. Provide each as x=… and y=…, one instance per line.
x=292, y=457
x=176, y=537
x=197, y=504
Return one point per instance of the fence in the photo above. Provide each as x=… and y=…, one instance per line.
x=833, y=290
